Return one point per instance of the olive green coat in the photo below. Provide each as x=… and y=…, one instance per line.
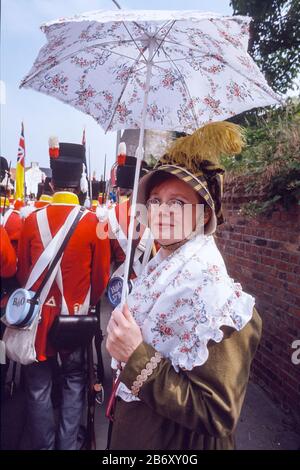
x=197, y=409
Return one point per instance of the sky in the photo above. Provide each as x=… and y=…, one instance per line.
x=43, y=116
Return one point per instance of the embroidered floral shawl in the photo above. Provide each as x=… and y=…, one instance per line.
x=181, y=302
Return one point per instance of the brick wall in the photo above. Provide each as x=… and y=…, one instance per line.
x=263, y=254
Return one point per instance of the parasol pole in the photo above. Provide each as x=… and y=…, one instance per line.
x=139, y=156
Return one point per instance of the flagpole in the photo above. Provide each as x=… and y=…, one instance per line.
x=116, y=3
x=105, y=168
x=118, y=141
x=20, y=185
x=90, y=177
x=104, y=193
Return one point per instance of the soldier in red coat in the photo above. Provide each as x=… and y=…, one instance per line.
x=80, y=281
x=10, y=226
x=12, y=223
x=11, y=219
x=44, y=194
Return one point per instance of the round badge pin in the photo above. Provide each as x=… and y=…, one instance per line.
x=114, y=290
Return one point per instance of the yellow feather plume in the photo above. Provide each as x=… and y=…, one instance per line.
x=210, y=142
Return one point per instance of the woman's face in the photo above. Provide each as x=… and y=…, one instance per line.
x=174, y=209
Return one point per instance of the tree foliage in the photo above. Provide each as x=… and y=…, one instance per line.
x=274, y=38
x=269, y=167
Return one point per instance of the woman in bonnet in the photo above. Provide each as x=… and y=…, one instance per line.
x=188, y=333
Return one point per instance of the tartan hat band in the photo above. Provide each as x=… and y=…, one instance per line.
x=197, y=183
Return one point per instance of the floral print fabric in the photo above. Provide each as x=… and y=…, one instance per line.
x=201, y=70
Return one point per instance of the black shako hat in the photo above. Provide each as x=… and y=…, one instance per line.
x=4, y=168
x=126, y=172
x=98, y=187
x=44, y=188
x=67, y=166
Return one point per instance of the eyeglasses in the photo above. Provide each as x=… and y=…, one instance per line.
x=154, y=203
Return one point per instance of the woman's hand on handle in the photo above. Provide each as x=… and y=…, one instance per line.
x=123, y=334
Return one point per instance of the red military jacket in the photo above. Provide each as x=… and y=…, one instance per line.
x=8, y=258
x=85, y=264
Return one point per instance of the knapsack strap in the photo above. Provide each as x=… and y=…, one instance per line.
x=59, y=252
x=52, y=266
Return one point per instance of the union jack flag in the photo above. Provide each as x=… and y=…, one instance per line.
x=20, y=168
x=21, y=148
